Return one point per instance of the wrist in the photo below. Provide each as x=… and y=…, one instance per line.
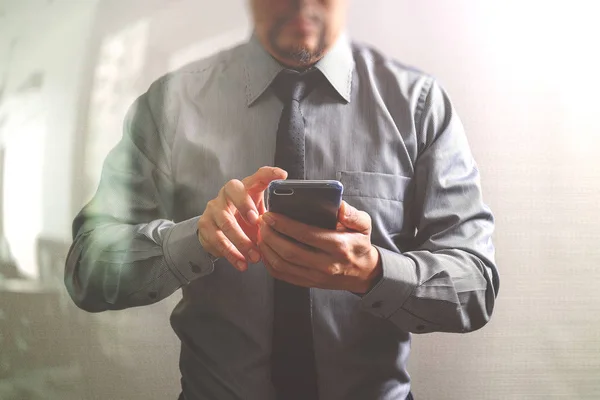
x=212, y=258
x=376, y=270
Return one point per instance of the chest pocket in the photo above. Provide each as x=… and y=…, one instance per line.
x=382, y=196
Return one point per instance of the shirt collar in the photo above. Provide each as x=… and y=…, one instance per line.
x=338, y=66
x=261, y=68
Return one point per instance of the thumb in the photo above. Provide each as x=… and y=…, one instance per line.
x=354, y=219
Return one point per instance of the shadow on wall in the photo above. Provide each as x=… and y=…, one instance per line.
x=49, y=349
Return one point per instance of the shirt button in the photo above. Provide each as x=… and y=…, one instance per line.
x=195, y=267
x=377, y=304
x=420, y=328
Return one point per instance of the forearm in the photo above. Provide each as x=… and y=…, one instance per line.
x=115, y=266
x=444, y=291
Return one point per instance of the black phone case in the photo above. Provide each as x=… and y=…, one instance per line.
x=312, y=202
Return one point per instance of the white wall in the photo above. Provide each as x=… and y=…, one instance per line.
x=523, y=75
x=50, y=40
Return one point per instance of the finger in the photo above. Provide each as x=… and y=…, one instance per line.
x=250, y=230
x=285, y=271
x=300, y=276
x=297, y=253
x=287, y=278
x=259, y=181
x=354, y=219
x=234, y=194
x=226, y=223
x=313, y=236
x=260, y=205
x=215, y=241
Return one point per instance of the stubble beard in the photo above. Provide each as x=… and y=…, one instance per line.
x=300, y=54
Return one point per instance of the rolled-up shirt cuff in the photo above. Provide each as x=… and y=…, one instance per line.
x=395, y=286
x=184, y=254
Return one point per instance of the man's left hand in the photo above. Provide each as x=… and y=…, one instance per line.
x=304, y=255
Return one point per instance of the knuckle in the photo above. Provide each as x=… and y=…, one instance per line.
x=341, y=247
x=211, y=206
x=232, y=185
x=244, y=246
x=265, y=170
x=224, y=248
x=351, y=212
x=228, y=224
x=344, y=254
x=215, y=206
x=334, y=270
x=346, y=259
x=287, y=254
x=277, y=264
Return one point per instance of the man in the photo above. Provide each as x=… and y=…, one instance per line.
x=273, y=308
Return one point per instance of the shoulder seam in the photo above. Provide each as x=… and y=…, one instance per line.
x=421, y=104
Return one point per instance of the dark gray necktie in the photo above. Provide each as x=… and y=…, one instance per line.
x=293, y=358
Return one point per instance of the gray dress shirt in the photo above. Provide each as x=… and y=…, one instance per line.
x=387, y=132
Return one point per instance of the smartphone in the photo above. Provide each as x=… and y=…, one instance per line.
x=313, y=202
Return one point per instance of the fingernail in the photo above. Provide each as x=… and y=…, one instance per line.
x=268, y=219
x=241, y=265
x=252, y=217
x=254, y=256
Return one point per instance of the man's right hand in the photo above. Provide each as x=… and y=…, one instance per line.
x=229, y=226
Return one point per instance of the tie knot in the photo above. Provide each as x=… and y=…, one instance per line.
x=293, y=85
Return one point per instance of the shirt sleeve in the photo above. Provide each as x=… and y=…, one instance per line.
x=448, y=280
x=126, y=250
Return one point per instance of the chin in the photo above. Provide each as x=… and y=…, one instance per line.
x=297, y=48
x=309, y=44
